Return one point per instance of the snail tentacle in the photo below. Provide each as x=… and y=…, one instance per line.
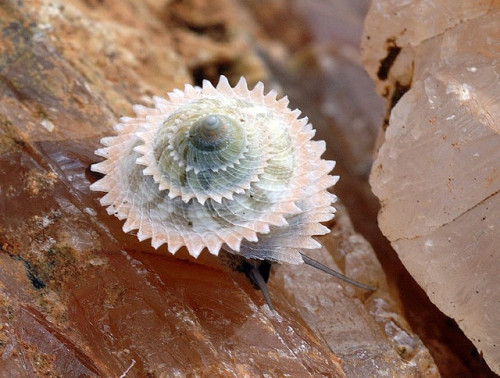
x=256, y=277
x=334, y=273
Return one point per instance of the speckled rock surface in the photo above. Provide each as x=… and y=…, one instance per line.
x=79, y=297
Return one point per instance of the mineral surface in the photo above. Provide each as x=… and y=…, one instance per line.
x=437, y=174
x=80, y=297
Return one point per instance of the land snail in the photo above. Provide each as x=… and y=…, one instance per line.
x=221, y=168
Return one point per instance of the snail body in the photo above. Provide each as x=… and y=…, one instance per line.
x=219, y=167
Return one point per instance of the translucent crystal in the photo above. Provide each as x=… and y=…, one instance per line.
x=79, y=297
x=437, y=174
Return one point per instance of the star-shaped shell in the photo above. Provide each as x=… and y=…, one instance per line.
x=219, y=167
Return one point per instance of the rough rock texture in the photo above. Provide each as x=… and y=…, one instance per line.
x=79, y=297
x=437, y=174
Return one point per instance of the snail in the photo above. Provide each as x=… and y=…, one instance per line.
x=220, y=168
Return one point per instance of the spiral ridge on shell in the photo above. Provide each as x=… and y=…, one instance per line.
x=219, y=167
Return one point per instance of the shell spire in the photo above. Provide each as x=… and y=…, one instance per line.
x=219, y=167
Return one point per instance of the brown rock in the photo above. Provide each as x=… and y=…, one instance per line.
x=79, y=297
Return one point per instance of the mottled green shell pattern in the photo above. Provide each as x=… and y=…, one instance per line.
x=219, y=167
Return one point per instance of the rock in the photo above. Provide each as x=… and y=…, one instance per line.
x=437, y=174
x=81, y=298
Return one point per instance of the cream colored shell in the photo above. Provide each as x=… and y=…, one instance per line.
x=219, y=167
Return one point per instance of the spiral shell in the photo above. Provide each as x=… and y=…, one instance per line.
x=219, y=167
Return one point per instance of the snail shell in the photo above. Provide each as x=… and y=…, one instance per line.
x=219, y=167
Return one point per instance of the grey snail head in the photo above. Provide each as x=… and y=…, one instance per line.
x=220, y=167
